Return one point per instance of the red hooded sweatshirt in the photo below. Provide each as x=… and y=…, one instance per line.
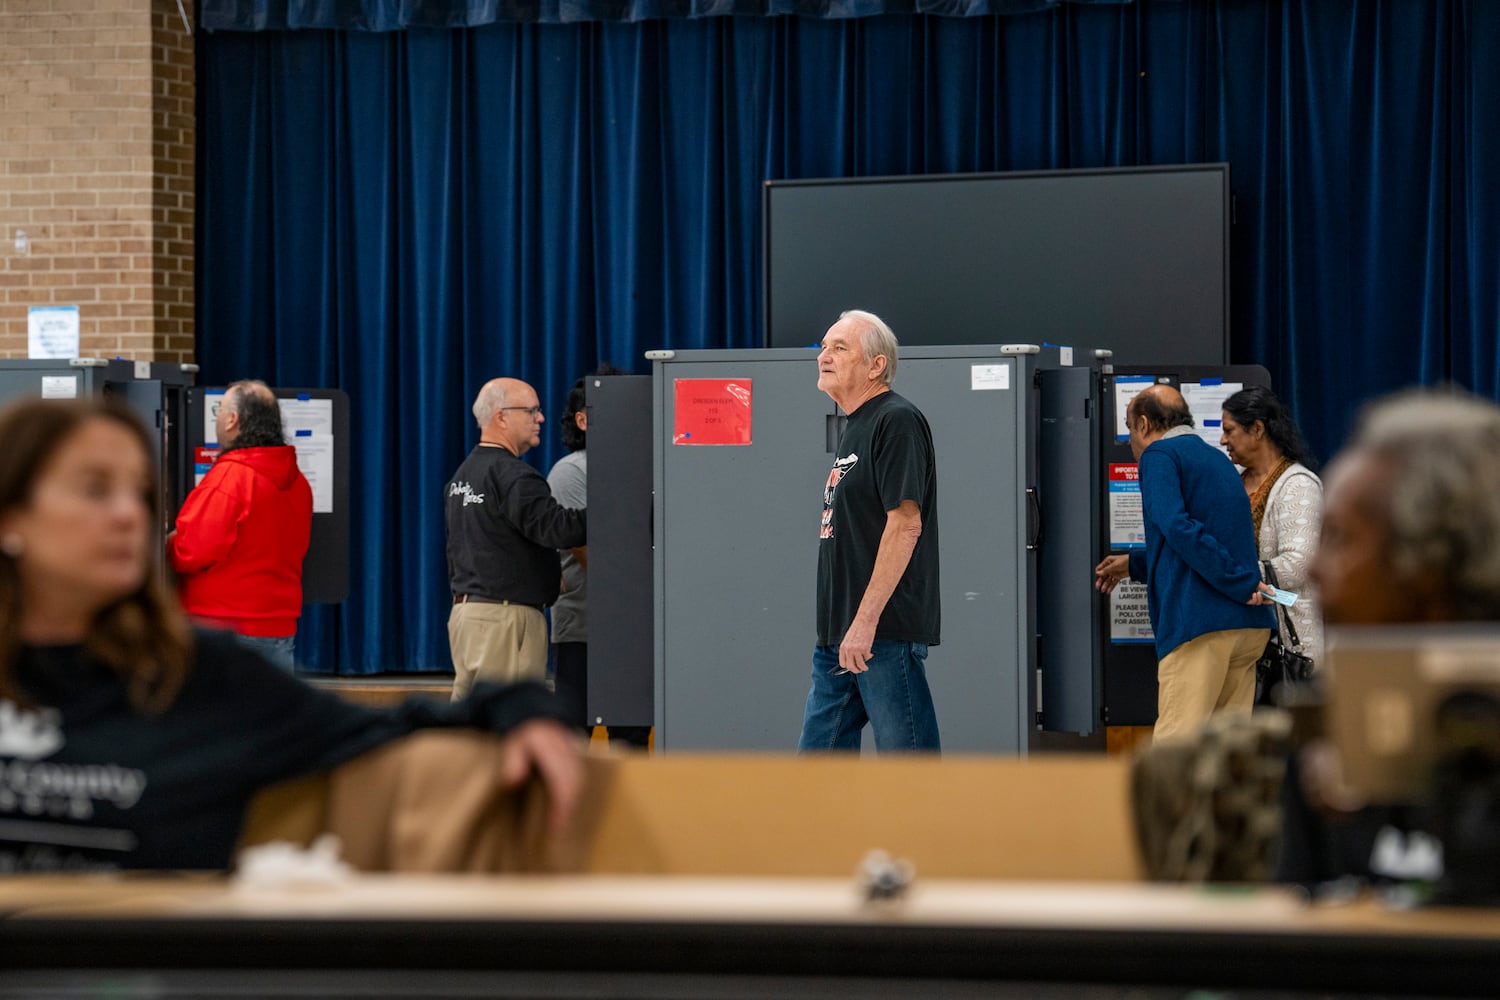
x=241, y=536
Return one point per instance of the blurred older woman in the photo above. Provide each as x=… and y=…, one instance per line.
x=1286, y=500
x=126, y=738
x=1411, y=534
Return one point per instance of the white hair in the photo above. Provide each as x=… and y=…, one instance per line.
x=489, y=401
x=1442, y=503
x=877, y=341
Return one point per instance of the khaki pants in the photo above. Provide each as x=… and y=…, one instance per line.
x=499, y=643
x=1212, y=673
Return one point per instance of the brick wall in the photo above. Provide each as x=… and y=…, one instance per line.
x=173, y=156
x=96, y=168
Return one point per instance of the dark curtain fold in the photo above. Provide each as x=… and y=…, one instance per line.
x=406, y=214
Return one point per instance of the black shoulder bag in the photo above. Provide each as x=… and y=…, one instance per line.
x=1280, y=664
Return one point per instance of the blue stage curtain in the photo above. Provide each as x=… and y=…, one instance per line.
x=406, y=214
x=398, y=15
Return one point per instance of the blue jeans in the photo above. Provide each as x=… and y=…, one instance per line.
x=277, y=650
x=892, y=696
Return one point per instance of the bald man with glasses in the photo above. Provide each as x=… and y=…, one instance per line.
x=504, y=531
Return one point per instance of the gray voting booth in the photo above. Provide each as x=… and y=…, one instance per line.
x=156, y=391
x=736, y=529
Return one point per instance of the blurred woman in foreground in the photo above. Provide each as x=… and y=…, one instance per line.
x=1411, y=535
x=127, y=739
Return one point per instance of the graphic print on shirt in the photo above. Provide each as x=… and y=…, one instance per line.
x=457, y=489
x=45, y=807
x=841, y=468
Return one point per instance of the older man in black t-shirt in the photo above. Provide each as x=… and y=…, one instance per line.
x=878, y=607
x=504, y=530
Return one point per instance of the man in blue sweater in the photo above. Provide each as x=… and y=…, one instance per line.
x=1200, y=567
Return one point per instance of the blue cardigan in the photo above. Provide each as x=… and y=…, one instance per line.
x=1200, y=565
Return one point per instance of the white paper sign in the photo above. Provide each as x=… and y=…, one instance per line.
x=1127, y=520
x=315, y=459
x=212, y=400
x=1129, y=617
x=1127, y=387
x=314, y=415
x=52, y=332
x=989, y=377
x=1205, y=401
x=309, y=428
x=59, y=386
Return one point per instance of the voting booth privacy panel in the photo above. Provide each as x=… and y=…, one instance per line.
x=621, y=674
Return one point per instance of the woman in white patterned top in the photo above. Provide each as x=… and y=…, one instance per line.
x=1286, y=499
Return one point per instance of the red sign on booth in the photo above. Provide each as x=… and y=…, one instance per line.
x=711, y=411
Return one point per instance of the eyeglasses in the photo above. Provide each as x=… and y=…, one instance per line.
x=534, y=411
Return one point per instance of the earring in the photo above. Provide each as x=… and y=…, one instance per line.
x=12, y=544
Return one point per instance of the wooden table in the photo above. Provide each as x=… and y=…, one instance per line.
x=654, y=936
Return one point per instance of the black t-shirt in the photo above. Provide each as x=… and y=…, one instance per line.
x=504, y=530
x=89, y=782
x=885, y=457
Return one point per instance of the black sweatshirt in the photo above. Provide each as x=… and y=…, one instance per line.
x=504, y=530
x=87, y=781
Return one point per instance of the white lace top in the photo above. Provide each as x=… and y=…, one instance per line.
x=1288, y=540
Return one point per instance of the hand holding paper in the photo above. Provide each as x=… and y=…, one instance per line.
x=1280, y=596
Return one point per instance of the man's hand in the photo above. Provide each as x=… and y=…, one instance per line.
x=857, y=648
x=903, y=526
x=1109, y=573
x=552, y=751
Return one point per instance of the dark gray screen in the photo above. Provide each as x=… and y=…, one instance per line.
x=1133, y=260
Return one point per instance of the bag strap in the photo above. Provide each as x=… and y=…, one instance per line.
x=1282, y=614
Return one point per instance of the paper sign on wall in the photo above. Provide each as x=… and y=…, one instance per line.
x=711, y=411
x=52, y=332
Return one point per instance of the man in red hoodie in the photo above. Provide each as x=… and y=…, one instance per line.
x=243, y=531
